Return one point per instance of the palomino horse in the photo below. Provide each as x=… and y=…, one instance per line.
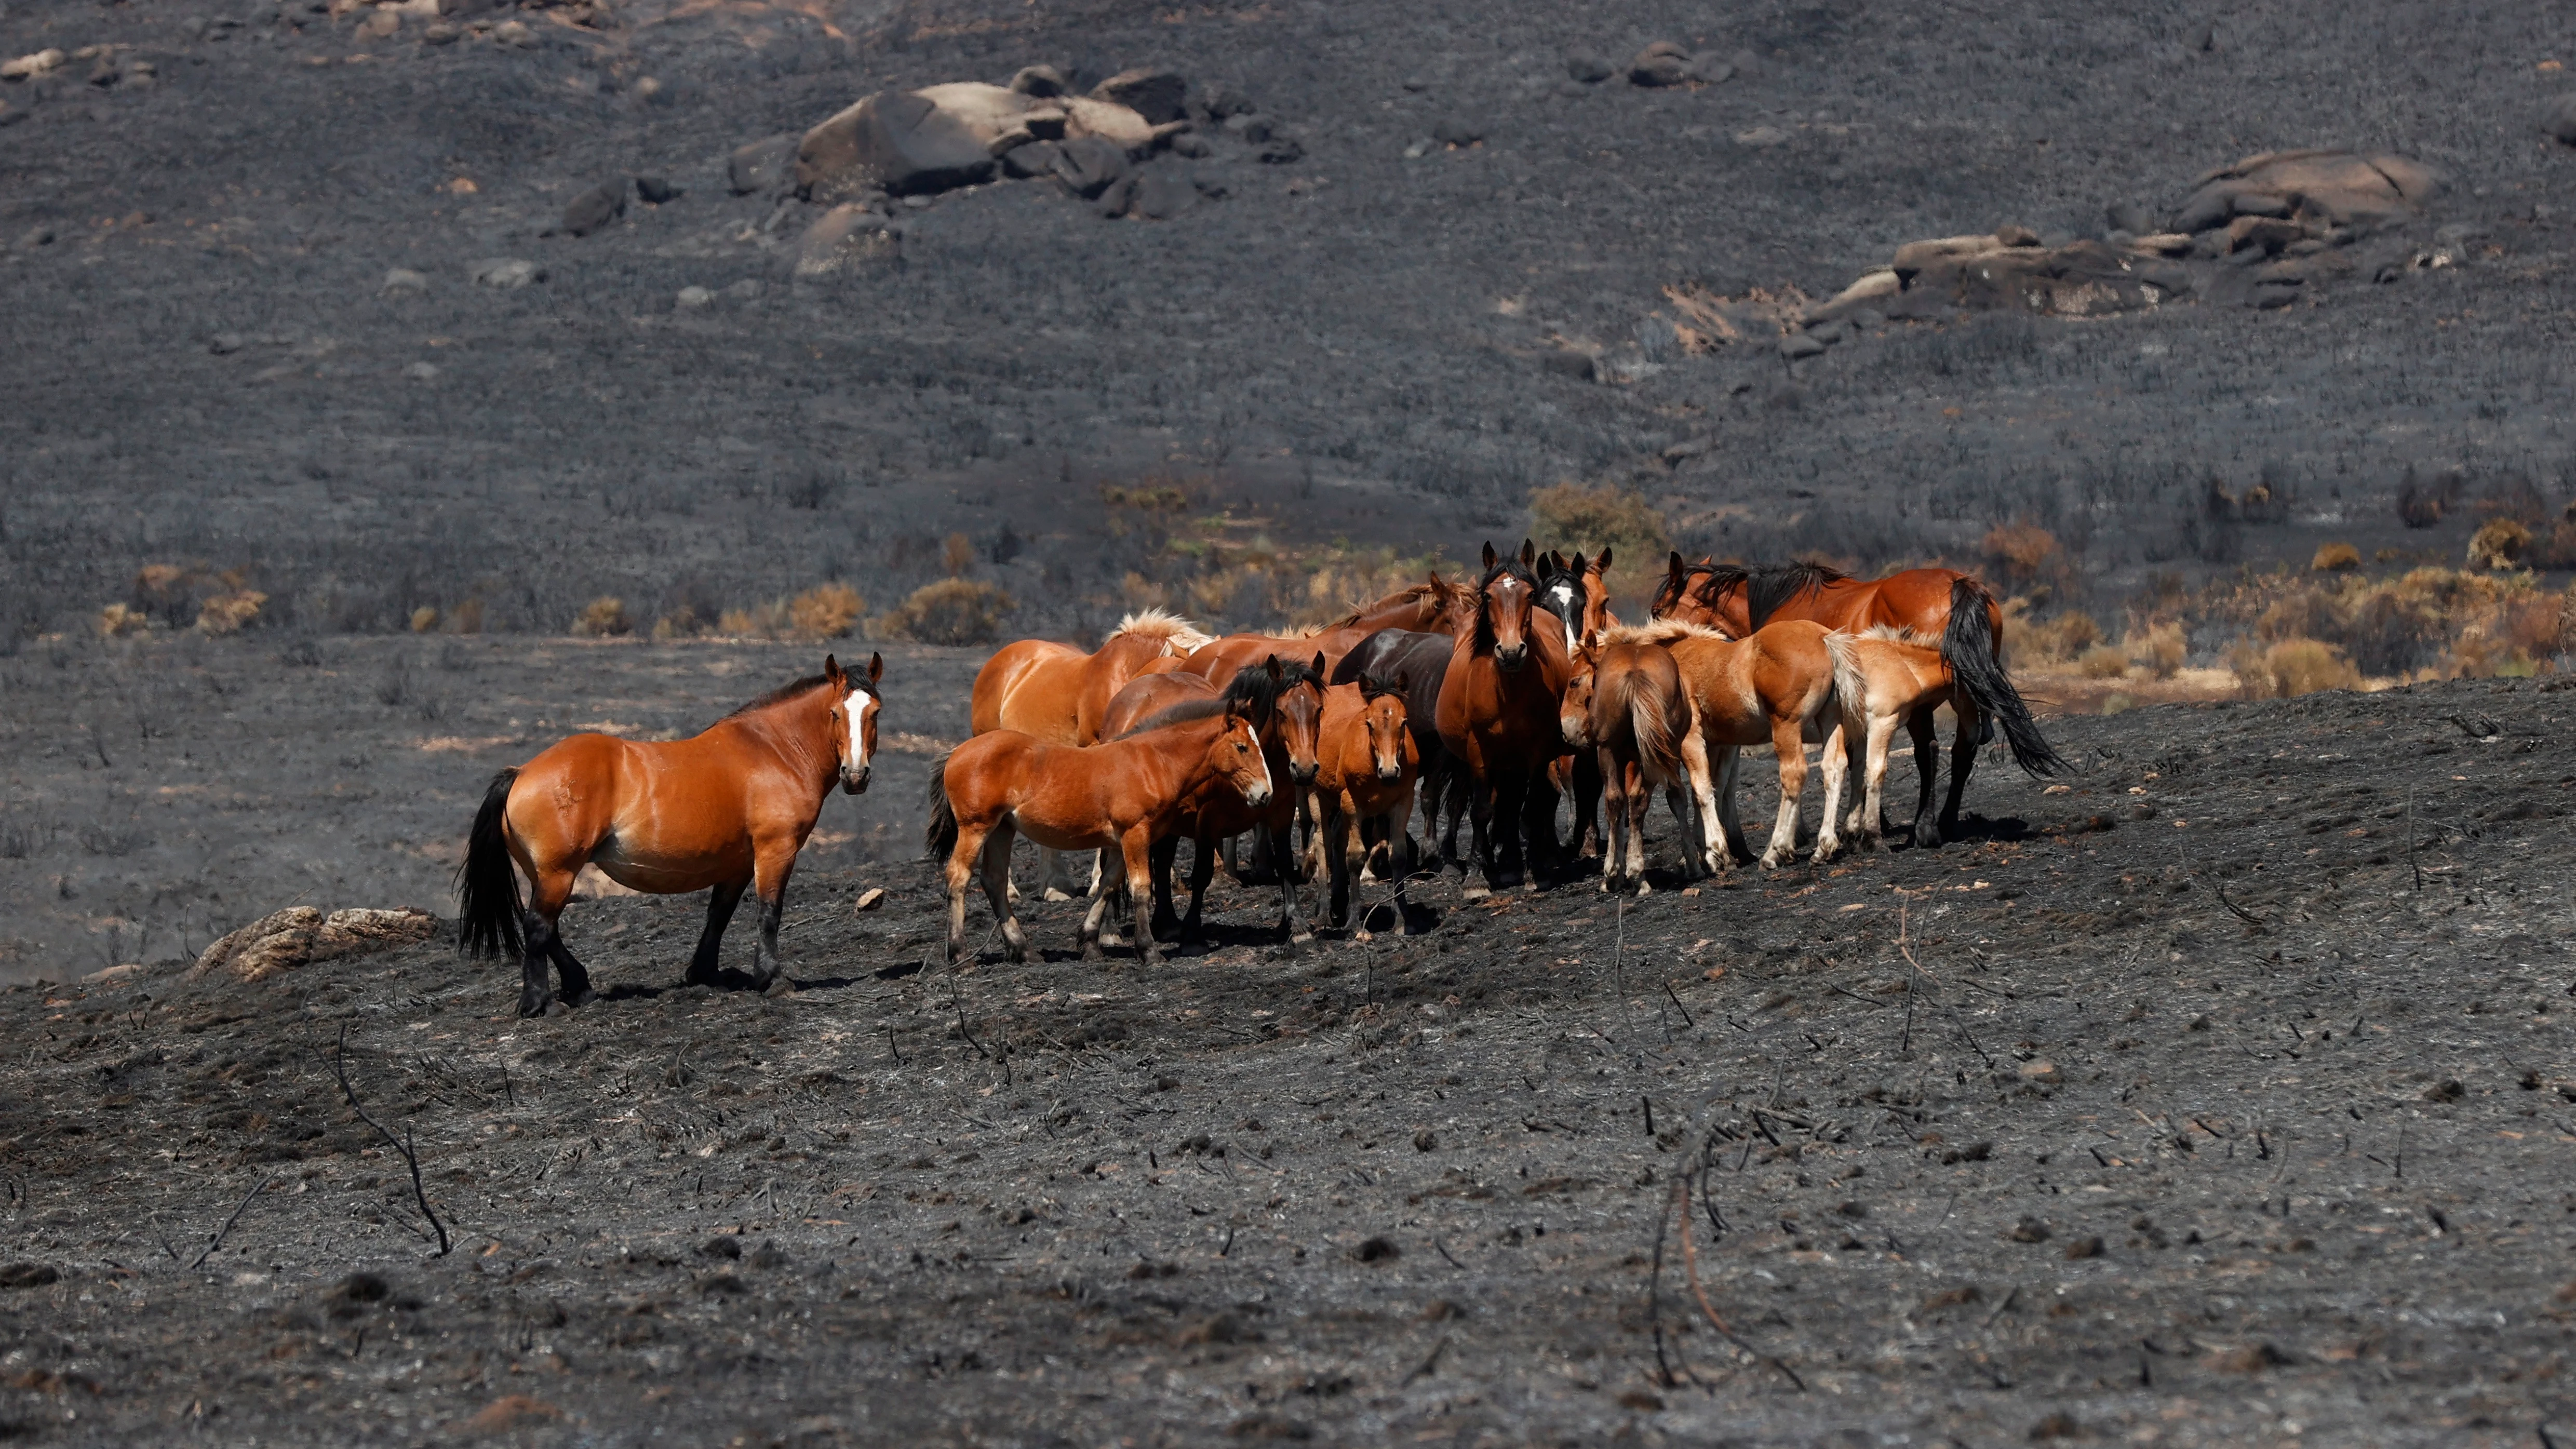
x=1497, y=716
x=1943, y=604
x=1433, y=605
x=1776, y=688
x=1420, y=659
x=1626, y=703
x=1285, y=703
x=1056, y=693
x=1367, y=763
x=721, y=812
x=1884, y=677
x=1118, y=795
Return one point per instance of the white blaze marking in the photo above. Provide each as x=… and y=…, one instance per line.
x=858, y=728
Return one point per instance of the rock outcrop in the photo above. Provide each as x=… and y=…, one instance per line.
x=301, y=935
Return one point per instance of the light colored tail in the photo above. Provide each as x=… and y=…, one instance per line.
x=1851, y=685
x=1659, y=725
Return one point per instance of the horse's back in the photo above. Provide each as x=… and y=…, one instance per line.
x=1030, y=685
x=1147, y=695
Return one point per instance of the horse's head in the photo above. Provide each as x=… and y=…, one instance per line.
x=1596, y=594
x=854, y=720
x=1382, y=716
x=1236, y=757
x=1574, y=707
x=1561, y=591
x=1505, y=599
x=1297, y=718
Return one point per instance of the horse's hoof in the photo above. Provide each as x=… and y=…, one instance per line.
x=1474, y=893
x=536, y=1006
x=1302, y=938
x=779, y=986
x=586, y=998
x=1054, y=893
x=558, y=1008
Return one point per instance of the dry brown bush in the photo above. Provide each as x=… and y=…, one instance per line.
x=1577, y=518
x=952, y=611
x=230, y=613
x=2025, y=552
x=2293, y=667
x=2498, y=544
x=2335, y=558
x=2103, y=662
x=826, y=611
x=603, y=618
x=2160, y=649
x=424, y=619
x=957, y=554
x=468, y=618
x=2049, y=641
x=117, y=621
x=681, y=623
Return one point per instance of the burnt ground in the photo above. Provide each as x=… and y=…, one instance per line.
x=2036, y=1135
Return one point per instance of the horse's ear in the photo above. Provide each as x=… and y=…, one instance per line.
x=1602, y=561
x=1529, y=554
x=1274, y=668
x=1319, y=664
x=1491, y=557
x=832, y=671
x=1403, y=684
x=1547, y=566
x=1673, y=565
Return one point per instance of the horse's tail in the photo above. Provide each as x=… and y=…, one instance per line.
x=1658, y=720
x=487, y=891
x=1974, y=654
x=1851, y=686
x=939, y=837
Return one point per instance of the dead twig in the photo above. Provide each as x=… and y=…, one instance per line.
x=1690, y=1275
x=217, y=1240
x=420, y=1194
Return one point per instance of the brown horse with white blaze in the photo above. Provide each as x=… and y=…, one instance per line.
x=1942, y=604
x=1057, y=693
x=1120, y=795
x=1497, y=715
x=725, y=811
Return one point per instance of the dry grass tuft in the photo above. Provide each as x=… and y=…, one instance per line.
x=2025, y=553
x=424, y=619
x=2498, y=544
x=2103, y=662
x=2291, y=668
x=827, y=611
x=2335, y=558
x=116, y=621
x=952, y=611
x=1573, y=517
x=230, y=613
x=2160, y=649
x=2048, y=641
x=603, y=618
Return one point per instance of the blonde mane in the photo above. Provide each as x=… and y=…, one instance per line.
x=1180, y=637
x=1899, y=634
x=1663, y=631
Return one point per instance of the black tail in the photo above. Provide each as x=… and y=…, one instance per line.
x=939, y=837
x=1969, y=647
x=487, y=891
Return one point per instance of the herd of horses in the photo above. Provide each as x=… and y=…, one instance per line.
x=1486, y=703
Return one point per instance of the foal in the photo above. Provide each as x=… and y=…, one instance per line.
x=1626, y=704
x=1776, y=688
x=1367, y=764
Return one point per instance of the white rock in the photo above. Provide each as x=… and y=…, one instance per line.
x=27, y=67
x=692, y=298
x=507, y=274
x=422, y=372
x=405, y=280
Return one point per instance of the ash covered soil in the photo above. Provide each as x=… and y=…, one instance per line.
x=2035, y=1135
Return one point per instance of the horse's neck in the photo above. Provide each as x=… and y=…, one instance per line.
x=797, y=732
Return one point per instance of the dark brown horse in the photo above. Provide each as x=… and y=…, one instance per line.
x=1498, y=715
x=1420, y=659
x=1941, y=604
x=724, y=811
x=1432, y=605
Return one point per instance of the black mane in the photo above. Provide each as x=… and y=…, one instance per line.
x=1484, y=620
x=1773, y=588
x=1252, y=693
x=784, y=693
x=1720, y=577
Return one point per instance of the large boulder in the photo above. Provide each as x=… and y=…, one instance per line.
x=761, y=165
x=945, y=136
x=2316, y=189
x=847, y=237
x=1157, y=95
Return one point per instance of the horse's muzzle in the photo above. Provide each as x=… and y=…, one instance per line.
x=1576, y=729
x=1389, y=774
x=854, y=782
x=1510, y=660
x=1304, y=774
x=1257, y=795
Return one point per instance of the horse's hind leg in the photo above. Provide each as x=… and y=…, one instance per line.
x=1963, y=763
x=1927, y=777
x=1165, y=858
x=998, y=892
x=720, y=905
x=1055, y=879
x=574, y=989
x=547, y=893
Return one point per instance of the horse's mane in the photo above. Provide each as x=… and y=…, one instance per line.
x=1179, y=635
x=1663, y=631
x=786, y=692
x=1774, y=587
x=1720, y=577
x=1252, y=693
x=1899, y=634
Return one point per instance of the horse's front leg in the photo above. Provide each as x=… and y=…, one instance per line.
x=1281, y=851
x=1165, y=859
x=773, y=861
x=997, y=890
x=1136, y=849
x=721, y=902
x=1924, y=731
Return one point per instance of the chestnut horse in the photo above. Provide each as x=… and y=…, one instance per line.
x=1776, y=688
x=1943, y=604
x=1056, y=693
x=1285, y=702
x=1420, y=659
x=1627, y=705
x=1367, y=764
x=1577, y=592
x=724, y=811
x=1433, y=605
x=1118, y=795
x=1497, y=716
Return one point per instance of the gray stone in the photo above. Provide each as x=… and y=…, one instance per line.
x=2559, y=121
x=1038, y=80
x=1036, y=158
x=594, y=209
x=1456, y=131
x=761, y=166
x=1163, y=192
x=1190, y=144
x=1218, y=101
x=422, y=372
x=1798, y=346
x=1088, y=165
x=1248, y=126
x=1660, y=64
x=404, y=281
x=693, y=298
x=505, y=274
x=657, y=190
x=224, y=344
x=899, y=140
x=1157, y=95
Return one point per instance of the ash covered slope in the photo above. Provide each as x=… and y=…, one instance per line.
x=1395, y=328
x=2112, y=1156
